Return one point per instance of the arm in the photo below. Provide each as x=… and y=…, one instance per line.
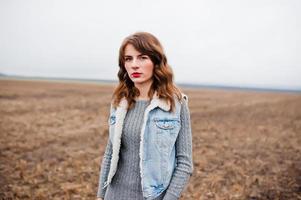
x=184, y=167
x=105, y=168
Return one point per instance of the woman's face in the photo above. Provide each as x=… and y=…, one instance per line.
x=138, y=66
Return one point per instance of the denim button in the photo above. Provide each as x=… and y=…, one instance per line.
x=112, y=120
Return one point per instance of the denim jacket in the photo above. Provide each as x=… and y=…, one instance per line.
x=157, y=153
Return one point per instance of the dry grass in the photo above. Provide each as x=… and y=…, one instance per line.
x=247, y=145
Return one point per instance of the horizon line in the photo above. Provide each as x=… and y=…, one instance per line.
x=182, y=84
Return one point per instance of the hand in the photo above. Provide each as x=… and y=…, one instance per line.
x=99, y=198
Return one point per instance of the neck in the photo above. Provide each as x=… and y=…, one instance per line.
x=143, y=89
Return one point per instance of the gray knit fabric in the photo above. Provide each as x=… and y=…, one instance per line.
x=126, y=183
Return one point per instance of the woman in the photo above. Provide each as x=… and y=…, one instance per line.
x=149, y=150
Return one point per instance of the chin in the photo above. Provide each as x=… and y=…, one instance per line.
x=137, y=81
x=140, y=81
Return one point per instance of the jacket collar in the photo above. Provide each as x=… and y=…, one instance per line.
x=155, y=102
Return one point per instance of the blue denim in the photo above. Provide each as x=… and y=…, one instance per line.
x=157, y=148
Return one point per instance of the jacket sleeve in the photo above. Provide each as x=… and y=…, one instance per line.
x=105, y=168
x=184, y=167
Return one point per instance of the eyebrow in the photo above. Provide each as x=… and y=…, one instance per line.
x=137, y=55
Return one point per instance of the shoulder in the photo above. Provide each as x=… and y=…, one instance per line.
x=184, y=105
x=181, y=103
x=184, y=98
x=181, y=98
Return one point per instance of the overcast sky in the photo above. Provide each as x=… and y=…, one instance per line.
x=233, y=42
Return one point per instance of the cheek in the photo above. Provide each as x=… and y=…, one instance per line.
x=127, y=68
x=150, y=68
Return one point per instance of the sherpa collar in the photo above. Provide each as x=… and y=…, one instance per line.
x=155, y=102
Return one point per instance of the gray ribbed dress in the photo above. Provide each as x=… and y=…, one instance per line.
x=126, y=183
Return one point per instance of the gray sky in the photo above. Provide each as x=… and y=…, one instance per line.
x=233, y=42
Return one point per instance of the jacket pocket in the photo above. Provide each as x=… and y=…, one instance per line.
x=166, y=133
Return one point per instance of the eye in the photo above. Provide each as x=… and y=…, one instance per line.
x=127, y=59
x=144, y=57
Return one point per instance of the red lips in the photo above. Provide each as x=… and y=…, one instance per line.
x=136, y=75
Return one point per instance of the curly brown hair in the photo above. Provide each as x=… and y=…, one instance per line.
x=163, y=84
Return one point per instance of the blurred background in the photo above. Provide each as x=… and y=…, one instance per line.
x=237, y=60
x=232, y=43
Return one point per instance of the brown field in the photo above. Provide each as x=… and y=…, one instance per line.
x=246, y=144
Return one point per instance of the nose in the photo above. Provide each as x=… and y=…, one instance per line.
x=135, y=64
